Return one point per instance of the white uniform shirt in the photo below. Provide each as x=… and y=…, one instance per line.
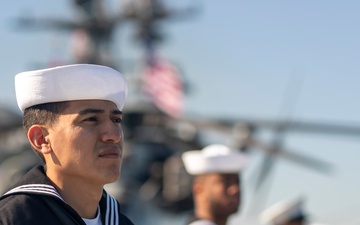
x=95, y=221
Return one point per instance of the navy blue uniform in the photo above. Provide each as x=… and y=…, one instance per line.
x=35, y=201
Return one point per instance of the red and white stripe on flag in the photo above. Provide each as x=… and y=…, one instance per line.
x=164, y=86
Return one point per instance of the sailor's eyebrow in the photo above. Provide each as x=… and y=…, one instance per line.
x=117, y=112
x=91, y=111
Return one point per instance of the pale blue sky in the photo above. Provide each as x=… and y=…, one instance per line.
x=238, y=57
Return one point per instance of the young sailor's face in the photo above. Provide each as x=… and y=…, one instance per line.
x=87, y=142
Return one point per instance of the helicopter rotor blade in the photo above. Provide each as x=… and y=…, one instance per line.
x=300, y=159
x=320, y=127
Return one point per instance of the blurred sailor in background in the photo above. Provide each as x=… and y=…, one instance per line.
x=216, y=185
x=288, y=212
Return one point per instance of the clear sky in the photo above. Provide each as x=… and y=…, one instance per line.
x=239, y=57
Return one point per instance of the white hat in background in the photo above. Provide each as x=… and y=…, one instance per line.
x=69, y=83
x=214, y=158
x=283, y=212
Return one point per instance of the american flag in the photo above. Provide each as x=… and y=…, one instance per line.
x=164, y=86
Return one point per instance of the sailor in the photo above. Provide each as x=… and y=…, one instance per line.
x=72, y=117
x=287, y=212
x=216, y=185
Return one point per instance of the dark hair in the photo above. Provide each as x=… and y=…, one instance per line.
x=42, y=114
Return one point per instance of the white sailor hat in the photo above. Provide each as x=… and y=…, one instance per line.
x=69, y=83
x=283, y=212
x=215, y=158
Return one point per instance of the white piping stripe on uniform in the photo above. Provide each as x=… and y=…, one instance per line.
x=44, y=186
x=35, y=188
x=41, y=188
x=35, y=191
x=116, y=212
x=107, y=209
x=112, y=211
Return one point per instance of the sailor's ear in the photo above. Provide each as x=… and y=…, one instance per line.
x=197, y=187
x=37, y=136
